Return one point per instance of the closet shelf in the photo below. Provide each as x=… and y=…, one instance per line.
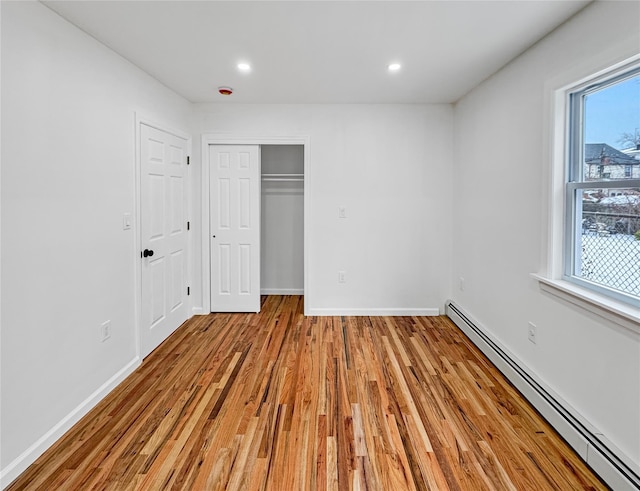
x=283, y=177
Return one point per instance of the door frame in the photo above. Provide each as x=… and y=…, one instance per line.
x=140, y=120
x=220, y=139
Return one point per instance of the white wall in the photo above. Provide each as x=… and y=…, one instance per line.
x=67, y=177
x=390, y=166
x=68, y=147
x=501, y=224
x=282, y=222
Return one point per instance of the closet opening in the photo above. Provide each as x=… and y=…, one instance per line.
x=282, y=220
x=255, y=218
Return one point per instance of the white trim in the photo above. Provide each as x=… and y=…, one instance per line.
x=588, y=442
x=137, y=229
x=167, y=128
x=552, y=237
x=26, y=458
x=222, y=139
x=601, y=305
x=375, y=312
x=282, y=291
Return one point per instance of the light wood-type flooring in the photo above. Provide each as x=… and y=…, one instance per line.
x=284, y=402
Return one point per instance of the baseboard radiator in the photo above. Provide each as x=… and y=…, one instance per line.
x=609, y=463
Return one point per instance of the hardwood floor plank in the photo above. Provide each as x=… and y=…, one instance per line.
x=279, y=401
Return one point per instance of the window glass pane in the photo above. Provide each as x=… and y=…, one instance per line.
x=612, y=131
x=608, y=237
x=603, y=246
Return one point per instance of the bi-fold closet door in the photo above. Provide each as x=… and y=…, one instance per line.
x=236, y=240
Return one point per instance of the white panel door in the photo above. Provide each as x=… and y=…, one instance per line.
x=163, y=216
x=234, y=197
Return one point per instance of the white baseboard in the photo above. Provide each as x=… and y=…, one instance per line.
x=610, y=463
x=20, y=464
x=282, y=291
x=386, y=312
x=197, y=311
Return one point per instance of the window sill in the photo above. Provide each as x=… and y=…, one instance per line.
x=607, y=308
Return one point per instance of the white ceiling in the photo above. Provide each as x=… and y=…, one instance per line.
x=319, y=51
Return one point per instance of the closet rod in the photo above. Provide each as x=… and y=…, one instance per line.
x=283, y=175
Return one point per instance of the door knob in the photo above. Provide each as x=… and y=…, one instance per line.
x=147, y=253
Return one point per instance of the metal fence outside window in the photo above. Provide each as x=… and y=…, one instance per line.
x=611, y=251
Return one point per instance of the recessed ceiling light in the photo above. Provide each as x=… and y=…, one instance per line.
x=394, y=67
x=244, y=67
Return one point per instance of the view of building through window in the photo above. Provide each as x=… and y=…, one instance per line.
x=607, y=200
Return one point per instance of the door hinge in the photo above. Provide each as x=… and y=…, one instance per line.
x=188, y=290
x=188, y=160
x=188, y=225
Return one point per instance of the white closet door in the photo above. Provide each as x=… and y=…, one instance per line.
x=234, y=199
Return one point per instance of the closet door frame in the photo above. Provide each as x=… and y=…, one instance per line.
x=216, y=139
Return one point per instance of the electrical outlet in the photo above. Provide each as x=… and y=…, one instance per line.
x=342, y=212
x=532, y=333
x=105, y=331
x=342, y=277
x=461, y=284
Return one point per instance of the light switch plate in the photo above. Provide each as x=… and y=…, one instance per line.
x=126, y=221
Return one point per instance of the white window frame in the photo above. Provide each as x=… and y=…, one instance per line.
x=575, y=179
x=551, y=276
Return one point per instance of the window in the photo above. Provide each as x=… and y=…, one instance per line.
x=602, y=236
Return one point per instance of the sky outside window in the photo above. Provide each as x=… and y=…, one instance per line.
x=612, y=111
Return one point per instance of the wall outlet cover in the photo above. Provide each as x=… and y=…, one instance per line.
x=105, y=331
x=532, y=333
